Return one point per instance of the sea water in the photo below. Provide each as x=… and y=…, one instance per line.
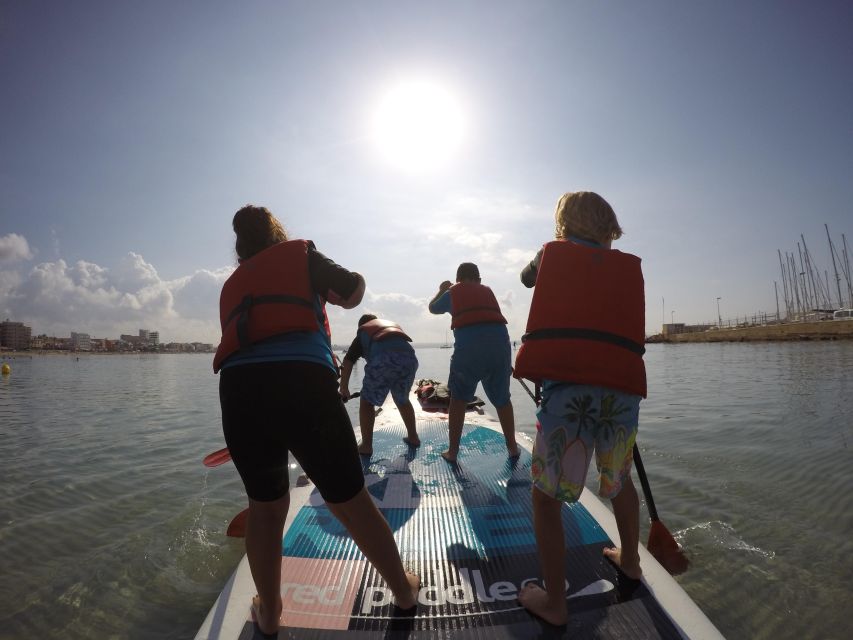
x=110, y=526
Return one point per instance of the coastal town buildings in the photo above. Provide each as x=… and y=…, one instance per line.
x=14, y=335
x=80, y=342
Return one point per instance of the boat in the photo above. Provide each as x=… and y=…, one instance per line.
x=466, y=530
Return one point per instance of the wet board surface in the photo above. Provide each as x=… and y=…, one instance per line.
x=466, y=529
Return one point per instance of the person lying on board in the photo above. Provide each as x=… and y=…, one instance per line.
x=584, y=344
x=391, y=367
x=481, y=353
x=278, y=391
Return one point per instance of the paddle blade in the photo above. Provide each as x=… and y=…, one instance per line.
x=666, y=550
x=217, y=458
x=237, y=527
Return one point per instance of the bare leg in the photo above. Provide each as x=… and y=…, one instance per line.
x=626, y=510
x=366, y=417
x=264, y=529
x=370, y=531
x=550, y=603
x=507, y=420
x=407, y=412
x=455, y=422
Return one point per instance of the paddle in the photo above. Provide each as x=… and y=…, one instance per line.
x=217, y=458
x=223, y=455
x=237, y=527
x=661, y=544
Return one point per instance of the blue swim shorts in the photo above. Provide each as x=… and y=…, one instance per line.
x=574, y=420
x=386, y=371
x=489, y=362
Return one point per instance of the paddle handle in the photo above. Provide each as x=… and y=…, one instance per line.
x=647, y=490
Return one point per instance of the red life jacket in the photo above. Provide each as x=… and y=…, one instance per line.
x=587, y=319
x=380, y=329
x=473, y=303
x=267, y=295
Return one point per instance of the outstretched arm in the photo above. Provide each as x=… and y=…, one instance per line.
x=444, y=286
x=353, y=299
x=528, y=274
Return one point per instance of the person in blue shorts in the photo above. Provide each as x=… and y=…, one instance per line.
x=391, y=367
x=481, y=353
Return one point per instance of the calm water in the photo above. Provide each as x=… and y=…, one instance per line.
x=111, y=527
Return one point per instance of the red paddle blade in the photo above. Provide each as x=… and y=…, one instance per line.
x=237, y=527
x=217, y=458
x=666, y=550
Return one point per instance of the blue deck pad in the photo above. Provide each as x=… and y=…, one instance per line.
x=467, y=531
x=482, y=504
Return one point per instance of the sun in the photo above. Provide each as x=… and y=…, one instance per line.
x=418, y=126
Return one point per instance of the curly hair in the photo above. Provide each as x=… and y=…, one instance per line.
x=585, y=214
x=257, y=229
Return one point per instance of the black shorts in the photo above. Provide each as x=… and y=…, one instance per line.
x=270, y=408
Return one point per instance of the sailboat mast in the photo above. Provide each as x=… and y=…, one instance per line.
x=847, y=275
x=784, y=285
x=834, y=268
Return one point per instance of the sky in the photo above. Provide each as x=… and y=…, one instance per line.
x=406, y=137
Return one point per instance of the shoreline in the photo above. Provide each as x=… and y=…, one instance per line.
x=57, y=352
x=784, y=332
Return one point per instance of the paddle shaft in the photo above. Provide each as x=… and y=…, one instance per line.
x=647, y=490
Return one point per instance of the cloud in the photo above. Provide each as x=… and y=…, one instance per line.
x=58, y=298
x=14, y=248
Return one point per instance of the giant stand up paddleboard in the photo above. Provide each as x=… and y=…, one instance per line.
x=466, y=529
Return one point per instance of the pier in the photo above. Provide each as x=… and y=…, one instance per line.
x=782, y=331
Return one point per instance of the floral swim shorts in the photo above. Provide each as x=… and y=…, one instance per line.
x=572, y=421
x=386, y=371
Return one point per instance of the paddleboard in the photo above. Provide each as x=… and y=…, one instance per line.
x=466, y=529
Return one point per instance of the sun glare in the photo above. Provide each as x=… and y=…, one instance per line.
x=418, y=126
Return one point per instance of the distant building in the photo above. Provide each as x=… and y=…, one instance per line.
x=680, y=327
x=15, y=335
x=673, y=328
x=154, y=338
x=129, y=343
x=80, y=342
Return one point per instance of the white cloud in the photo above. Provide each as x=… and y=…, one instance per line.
x=57, y=298
x=14, y=248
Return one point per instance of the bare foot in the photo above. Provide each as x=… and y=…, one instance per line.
x=411, y=598
x=450, y=457
x=630, y=569
x=268, y=622
x=412, y=442
x=535, y=599
x=364, y=450
x=513, y=451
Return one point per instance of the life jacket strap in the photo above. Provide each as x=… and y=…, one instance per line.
x=470, y=309
x=585, y=334
x=241, y=312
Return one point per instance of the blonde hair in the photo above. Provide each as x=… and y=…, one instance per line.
x=585, y=214
x=257, y=229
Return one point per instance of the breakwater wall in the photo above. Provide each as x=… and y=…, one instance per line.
x=824, y=330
